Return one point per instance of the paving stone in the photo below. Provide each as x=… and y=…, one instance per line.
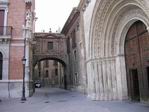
x=59, y=100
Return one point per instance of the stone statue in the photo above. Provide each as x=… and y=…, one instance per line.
x=28, y=19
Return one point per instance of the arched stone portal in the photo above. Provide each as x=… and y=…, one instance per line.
x=106, y=68
x=137, y=65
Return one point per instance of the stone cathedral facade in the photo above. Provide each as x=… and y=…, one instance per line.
x=116, y=48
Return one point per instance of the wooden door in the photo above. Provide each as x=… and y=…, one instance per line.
x=136, y=57
x=135, y=85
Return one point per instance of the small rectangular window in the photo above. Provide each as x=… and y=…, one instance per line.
x=47, y=74
x=50, y=45
x=76, y=78
x=73, y=36
x=56, y=72
x=47, y=63
x=68, y=45
x=75, y=54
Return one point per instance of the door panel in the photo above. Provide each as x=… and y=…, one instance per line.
x=136, y=57
x=135, y=85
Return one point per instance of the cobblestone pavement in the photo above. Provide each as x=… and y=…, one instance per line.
x=58, y=100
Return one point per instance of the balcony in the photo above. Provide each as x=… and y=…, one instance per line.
x=5, y=30
x=5, y=34
x=4, y=1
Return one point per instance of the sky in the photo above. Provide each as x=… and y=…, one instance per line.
x=53, y=14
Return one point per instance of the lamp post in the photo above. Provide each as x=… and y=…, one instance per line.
x=23, y=62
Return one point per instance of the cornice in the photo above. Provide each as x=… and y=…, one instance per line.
x=28, y=1
x=4, y=2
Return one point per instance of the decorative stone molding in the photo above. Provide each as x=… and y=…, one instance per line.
x=86, y=4
x=101, y=22
x=124, y=22
x=29, y=19
x=28, y=1
x=4, y=40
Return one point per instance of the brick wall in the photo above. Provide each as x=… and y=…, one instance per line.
x=16, y=19
x=16, y=63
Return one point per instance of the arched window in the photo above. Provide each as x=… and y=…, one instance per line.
x=1, y=65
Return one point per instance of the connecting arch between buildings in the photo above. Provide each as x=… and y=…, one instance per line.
x=41, y=50
x=106, y=67
x=58, y=60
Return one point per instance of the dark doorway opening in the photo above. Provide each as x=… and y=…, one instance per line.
x=135, y=85
x=148, y=76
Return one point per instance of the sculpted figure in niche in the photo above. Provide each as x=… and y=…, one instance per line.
x=28, y=19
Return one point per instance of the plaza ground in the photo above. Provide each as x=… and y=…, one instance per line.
x=59, y=100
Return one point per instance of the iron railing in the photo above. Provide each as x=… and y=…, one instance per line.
x=5, y=30
x=4, y=2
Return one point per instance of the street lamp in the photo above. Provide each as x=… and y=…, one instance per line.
x=23, y=87
x=23, y=62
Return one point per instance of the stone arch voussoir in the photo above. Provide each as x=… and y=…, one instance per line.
x=39, y=58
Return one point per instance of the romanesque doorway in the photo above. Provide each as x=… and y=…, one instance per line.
x=137, y=61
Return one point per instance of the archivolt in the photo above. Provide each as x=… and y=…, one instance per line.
x=110, y=23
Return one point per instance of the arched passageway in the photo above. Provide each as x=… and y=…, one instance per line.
x=50, y=72
x=137, y=63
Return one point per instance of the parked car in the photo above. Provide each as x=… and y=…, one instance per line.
x=37, y=84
